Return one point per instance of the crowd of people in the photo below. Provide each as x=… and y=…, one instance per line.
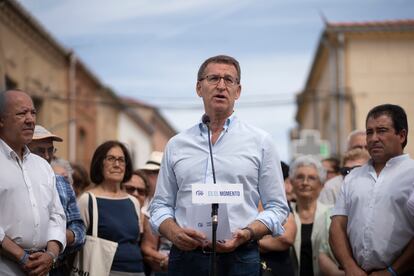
x=353, y=216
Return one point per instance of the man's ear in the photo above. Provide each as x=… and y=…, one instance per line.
x=403, y=135
x=238, y=92
x=198, y=89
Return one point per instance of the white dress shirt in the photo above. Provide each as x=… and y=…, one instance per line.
x=379, y=224
x=410, y=204
x=30, y=210
x=330, y=190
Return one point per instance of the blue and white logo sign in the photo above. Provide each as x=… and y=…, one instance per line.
x=217, y=193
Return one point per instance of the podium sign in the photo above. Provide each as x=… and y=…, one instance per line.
x=217, y=193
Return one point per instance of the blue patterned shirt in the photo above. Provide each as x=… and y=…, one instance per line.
x=74, y=221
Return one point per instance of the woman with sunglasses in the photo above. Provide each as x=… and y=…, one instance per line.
x=119, y=216
x=137, y=186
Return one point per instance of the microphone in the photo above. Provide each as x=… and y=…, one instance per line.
x=214, y=207
x=206, y=120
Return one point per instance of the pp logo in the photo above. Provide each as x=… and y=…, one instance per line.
x=199, y=193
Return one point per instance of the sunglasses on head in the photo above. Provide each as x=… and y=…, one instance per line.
x=346, y=170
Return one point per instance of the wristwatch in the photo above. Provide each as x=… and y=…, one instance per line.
x=24, y=258
x=54, y=258
x=252, y=235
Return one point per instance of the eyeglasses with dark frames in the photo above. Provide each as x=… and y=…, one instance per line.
x=215, y=79
x=113, y=159
x=42, y=151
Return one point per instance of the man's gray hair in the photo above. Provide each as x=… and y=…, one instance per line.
x=306, y=161
x=221, y=59
x=3, y=99
x=355, y=132
x=64, y=164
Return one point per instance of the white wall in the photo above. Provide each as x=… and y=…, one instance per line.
x=135, y=138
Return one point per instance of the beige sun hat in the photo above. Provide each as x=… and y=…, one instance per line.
x=154, y=162
x=42, y=133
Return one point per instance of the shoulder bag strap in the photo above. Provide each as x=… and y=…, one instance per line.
x=94, y=215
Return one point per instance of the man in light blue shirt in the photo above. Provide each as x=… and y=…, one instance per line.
x=242, y=154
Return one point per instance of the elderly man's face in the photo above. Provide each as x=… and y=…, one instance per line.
x=358, y=141
x=18, y=122
x=219, y=98
x=44, y=148
x=382, y=140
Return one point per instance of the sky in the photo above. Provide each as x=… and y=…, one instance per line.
x=151, y=49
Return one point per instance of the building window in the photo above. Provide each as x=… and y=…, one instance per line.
x=10, y=84
x=38, y=105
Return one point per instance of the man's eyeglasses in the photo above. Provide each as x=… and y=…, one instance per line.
x=112, y=160
x=131, y=190
x=42, y=151
x=215, y=79
x=346, y=170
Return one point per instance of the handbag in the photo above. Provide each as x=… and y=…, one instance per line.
x=96, y=256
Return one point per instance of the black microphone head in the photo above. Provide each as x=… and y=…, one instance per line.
x=205, y=119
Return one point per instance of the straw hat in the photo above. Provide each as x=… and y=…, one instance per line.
x=154, y=162
x=42, y=133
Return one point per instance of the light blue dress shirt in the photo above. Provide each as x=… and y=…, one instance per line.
x=242, y=154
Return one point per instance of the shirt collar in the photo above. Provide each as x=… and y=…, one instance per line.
x=10, y=153
x=393, y=161
x=227, y=124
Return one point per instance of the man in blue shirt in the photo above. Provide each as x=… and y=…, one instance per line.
x=42, y=145
x=242, y=154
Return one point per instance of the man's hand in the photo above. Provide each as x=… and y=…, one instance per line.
x=164, y=264
x=187, y=239
x=383, y=272
x=355, y=271
x=39, y=263
x=184, y=238
x=239, y=237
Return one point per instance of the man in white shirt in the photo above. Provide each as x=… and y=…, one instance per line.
x=371, y=231
x=32, y=220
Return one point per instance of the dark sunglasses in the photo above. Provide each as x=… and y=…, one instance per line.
x=346, y=170
x=130, y=190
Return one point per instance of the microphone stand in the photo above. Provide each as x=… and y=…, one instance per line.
x=214, y=209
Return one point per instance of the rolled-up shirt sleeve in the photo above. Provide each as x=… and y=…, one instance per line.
x=340, y=208
x=1, y=234
x=57, y=219
x=75, y=222
x=271, y=189
x=163, y=204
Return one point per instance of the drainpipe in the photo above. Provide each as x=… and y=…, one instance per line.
x=333, y=87
x=340, y=63
x=72, y=107
x=2, y=61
